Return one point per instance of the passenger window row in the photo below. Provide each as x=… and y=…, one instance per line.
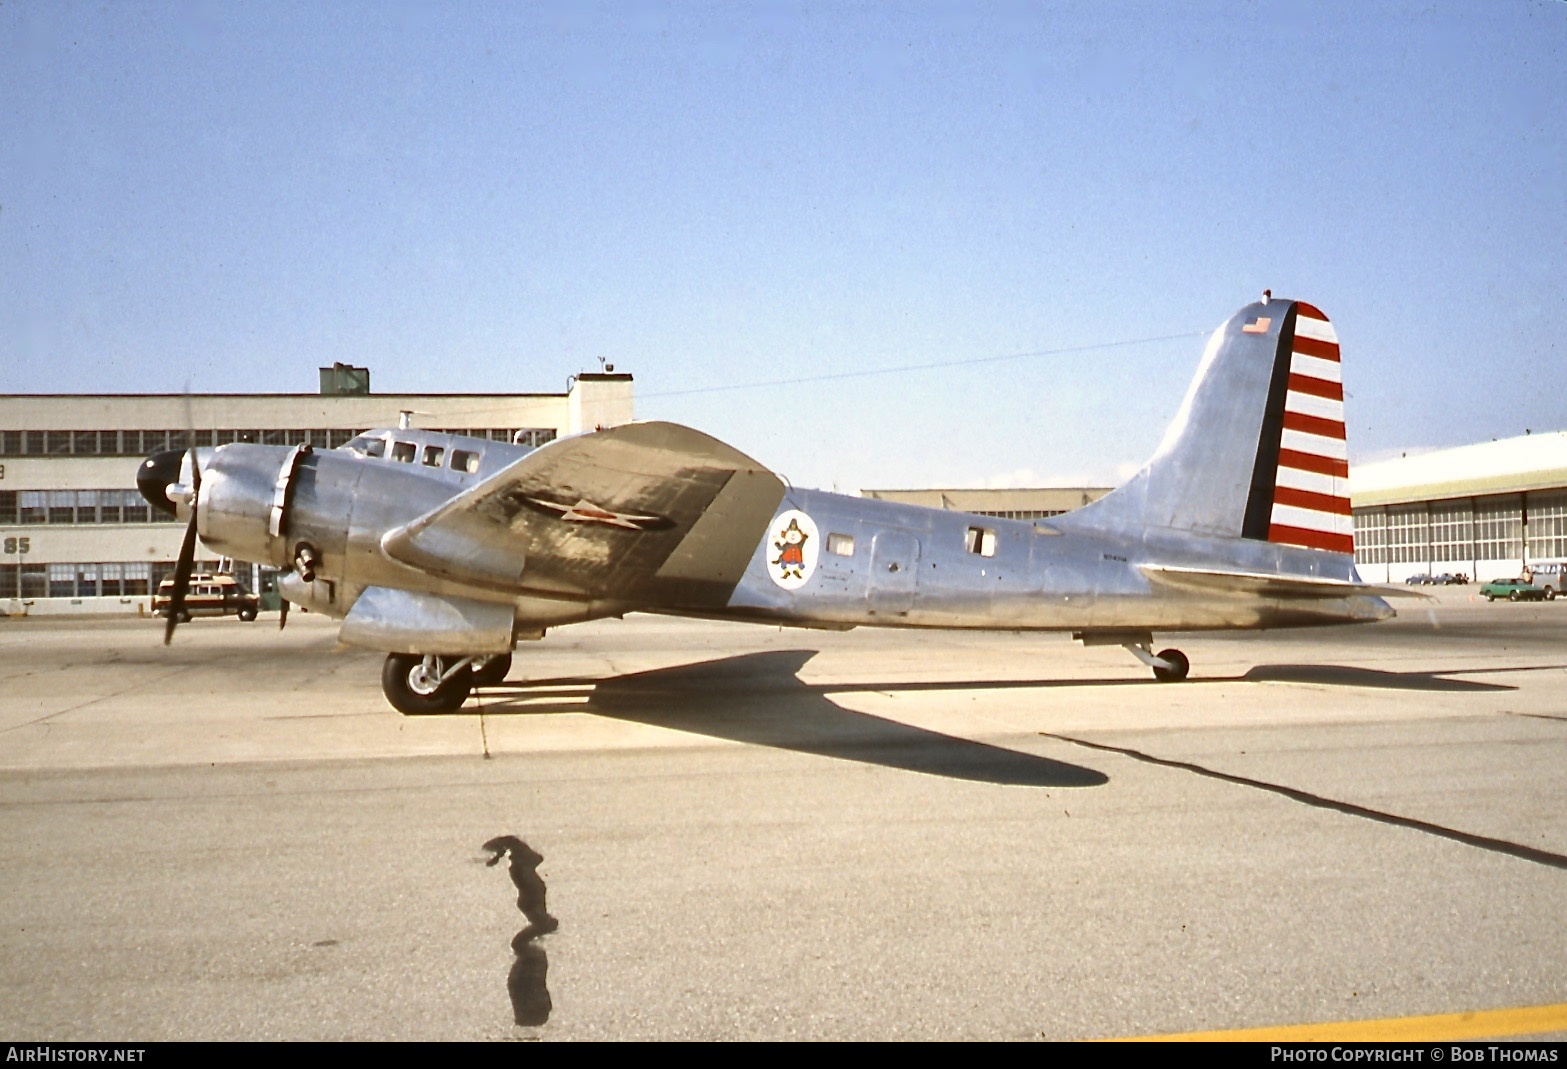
x=463, y=460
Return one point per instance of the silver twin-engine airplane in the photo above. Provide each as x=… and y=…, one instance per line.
x=445, y=551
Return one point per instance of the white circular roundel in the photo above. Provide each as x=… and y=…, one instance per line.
x=792, y=547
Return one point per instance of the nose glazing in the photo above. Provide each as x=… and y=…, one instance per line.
x=155, y=475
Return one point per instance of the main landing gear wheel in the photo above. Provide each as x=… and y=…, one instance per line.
x=419, y=686
x=1179, y=666
x=492, y=672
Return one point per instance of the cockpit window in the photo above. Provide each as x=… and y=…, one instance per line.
x=366, y=446
x=404, y=452
x=433, y=455
x=464, y=460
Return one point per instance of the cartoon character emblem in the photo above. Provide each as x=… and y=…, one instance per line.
x=794, y=546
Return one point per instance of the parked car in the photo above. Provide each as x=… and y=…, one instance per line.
x=1512, y=590
x=1549, y=576
x=1420, y=580
x=210, y=595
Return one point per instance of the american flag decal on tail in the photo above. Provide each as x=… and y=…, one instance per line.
x=1300, y=489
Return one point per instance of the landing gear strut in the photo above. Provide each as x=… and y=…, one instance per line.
x=1169, y=666
x=422, y=685
x=491, y=670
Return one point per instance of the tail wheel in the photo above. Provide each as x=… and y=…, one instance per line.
x=493, y=671
x=418, y=690
x=1179, y=666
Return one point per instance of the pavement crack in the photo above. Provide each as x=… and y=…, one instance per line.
x=90, y=701
x=1483, y=842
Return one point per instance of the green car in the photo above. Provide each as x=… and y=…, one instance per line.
x=1512, y=590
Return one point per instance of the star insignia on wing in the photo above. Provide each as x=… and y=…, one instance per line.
x=585, y=511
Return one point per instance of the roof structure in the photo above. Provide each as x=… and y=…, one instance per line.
x=1508, y=465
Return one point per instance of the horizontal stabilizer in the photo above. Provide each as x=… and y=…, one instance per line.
x=1269, y=585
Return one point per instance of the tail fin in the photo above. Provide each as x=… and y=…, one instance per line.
x=1257, y=449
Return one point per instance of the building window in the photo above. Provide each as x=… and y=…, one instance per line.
x=136, y=581
x=1370, y=536
x=1547, y=526
x=62, y=580
x=33, y=505
x=1452, y=531
x=134, y=509
x=1408, y=534
x=34, y=581
x=62, y=506
x=532, y=436
x=1498, y=527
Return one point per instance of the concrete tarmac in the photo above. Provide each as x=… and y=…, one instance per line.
x=753, y=833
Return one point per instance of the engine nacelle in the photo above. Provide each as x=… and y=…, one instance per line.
x=403, y=621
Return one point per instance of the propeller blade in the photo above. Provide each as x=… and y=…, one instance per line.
x=182, y=570
x=187, y=559
x=282, y=615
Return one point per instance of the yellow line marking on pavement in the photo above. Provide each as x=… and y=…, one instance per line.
x=1476, y=1024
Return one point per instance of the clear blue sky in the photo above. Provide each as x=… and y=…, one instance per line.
x=490, y=197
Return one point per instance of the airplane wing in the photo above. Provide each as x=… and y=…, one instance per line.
x=1266, y=585
x=644, y=511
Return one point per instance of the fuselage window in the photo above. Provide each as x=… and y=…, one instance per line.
x=841, y=544
x=981, y=541
x=464, y=460
x=404, y=452
x=433, y=455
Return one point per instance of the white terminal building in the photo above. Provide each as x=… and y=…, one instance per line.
x=77, y=537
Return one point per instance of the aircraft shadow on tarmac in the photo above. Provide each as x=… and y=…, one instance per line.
x=759, y=699
x=1374, y=678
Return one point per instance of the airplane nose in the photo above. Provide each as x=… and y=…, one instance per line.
x=155, y=475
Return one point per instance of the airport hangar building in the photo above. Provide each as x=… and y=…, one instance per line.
x=76, y=536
